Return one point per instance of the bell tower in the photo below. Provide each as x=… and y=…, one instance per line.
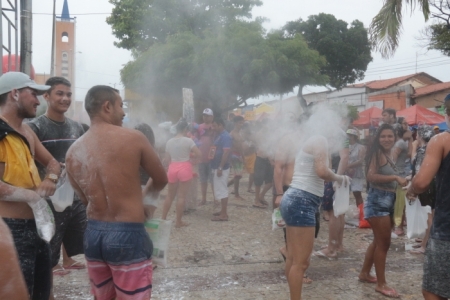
x=65, y=46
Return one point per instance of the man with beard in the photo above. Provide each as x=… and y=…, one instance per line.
x=20, y=185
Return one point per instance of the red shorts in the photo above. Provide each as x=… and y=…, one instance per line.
x=180, y=171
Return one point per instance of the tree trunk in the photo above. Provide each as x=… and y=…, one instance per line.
x=300, y=98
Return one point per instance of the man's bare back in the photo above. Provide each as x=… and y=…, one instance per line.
x=103, y=166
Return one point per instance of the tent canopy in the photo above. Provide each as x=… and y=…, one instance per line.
x=420, y=115
x=369, y=117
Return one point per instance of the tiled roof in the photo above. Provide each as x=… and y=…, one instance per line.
x=386, y=83
x=429, y=89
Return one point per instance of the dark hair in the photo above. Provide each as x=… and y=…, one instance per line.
x=3, y=98
x=375, y=149
x=238, y=119
x=399, y=128
x=147, y=131
x=96, y=96
x=181, y=125
x=390, y=111
x=53, y=81
x=219, y=121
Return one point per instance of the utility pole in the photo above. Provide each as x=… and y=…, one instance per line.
x=52, y=62
x=25, y=35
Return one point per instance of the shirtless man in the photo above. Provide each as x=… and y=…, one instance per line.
x=237, y=154
x=103, y=168
x=20, y=184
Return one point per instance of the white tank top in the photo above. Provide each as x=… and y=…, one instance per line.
x=305, y=177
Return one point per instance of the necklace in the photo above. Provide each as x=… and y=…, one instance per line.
x=56, y=122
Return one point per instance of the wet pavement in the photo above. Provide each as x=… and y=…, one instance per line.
x=239, y=259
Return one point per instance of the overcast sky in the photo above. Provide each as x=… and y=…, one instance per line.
x=98, y=61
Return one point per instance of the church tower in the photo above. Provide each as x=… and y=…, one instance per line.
x=65, y=46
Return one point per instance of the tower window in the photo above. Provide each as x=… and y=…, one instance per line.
x=65, y=37
x=65, y=56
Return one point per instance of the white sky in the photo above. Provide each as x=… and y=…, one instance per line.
x=100, y=61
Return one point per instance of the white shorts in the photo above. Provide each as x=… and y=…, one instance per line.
x=220, y=184
x=357, y=184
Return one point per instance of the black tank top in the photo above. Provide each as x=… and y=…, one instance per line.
x=441, y=222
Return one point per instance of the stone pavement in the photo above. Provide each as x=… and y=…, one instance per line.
x=239, y=259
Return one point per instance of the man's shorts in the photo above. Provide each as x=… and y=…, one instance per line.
x=356, y=185
x=298, y=208
x=220, y=184
x=263, y=171
x=249, y=161
x=204, y=172
x=180, y=172
x=379, y=203
x=70, y=225
x=118, y=259
x=436, y=268
x=238, y=165
x=34, y=257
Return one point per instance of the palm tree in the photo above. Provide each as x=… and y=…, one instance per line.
x=386, y=26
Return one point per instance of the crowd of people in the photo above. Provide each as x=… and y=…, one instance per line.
x=117, y=174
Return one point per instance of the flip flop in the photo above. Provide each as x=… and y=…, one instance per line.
x=218, y=219
x=260, y=206
x=264, y=202
x=417, y=246
x=418, y=240
x=320, y=254
x=391, y=293
x=61, y=272
x=76, y=266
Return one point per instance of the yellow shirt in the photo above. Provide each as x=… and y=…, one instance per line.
x=20, y=169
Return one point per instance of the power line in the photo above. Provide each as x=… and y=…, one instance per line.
x=80, y=14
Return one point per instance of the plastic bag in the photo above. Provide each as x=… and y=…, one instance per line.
x=352, y=216
x=277, y=219
x=159, y=232
x=399, y=205
x=63, y=196
x=45, y=222
x=341, y=200
x=363, y=223
x=416, y=219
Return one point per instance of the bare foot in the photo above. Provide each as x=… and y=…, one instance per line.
x=181, y=224
x=387, y=291
x=307, y=280
x=367, y=278
x=338, y=250
x=325, y=254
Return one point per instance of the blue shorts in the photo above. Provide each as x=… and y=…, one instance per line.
x=118, y=259
x=299, y=208
x=205, y=172
x=379, y=203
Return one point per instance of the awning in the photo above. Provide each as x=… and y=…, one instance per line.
x=369, y=118
x=417, y=114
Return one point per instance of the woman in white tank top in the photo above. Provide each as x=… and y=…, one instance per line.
x=299, y=205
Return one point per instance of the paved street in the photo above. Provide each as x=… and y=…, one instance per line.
x=239, y=259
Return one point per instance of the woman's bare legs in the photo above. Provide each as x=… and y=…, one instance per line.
x=171, y=192
x=358, y=198
x=183, y=189
x=300, y=241
x=376, y=254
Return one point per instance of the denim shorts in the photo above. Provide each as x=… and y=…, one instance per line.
x=299, y=208
x=379, y=203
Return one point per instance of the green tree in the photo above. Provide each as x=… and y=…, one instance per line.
x=385, y=28
x=138, y=24
x=346, y=48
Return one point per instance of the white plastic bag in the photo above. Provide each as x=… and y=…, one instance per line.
x=416, y=219
x=63, y=196
x=341, y=199
x=159, y=232
x=277, y=219
x=45, y=222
